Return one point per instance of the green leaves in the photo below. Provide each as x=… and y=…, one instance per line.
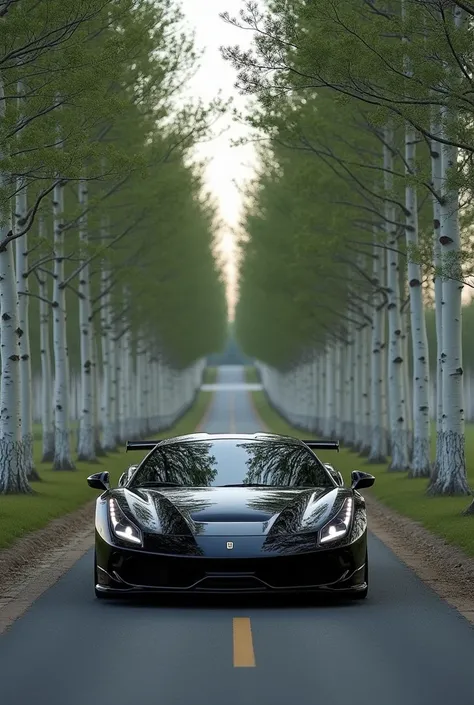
x=101, y=86
x=326, y=79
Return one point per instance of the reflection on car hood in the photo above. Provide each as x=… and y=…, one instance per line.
x=256, y=511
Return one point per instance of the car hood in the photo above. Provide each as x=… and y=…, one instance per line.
x=221, y=511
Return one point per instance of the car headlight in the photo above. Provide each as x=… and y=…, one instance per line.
x=122, y=527
x=339, y=525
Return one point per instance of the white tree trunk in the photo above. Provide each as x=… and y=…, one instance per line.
x=338, y=389
x=113, y=397
x=356, y=398
x=148, y=390
x=378, y=450
x=62, y=440
x=47, y=420
x=378, y=445
x=320, y=390
x=86, y=444
x=406, y=347
x=364, y=360
x=115, y=367
x=348, y=348
x=13, y=472
x=121, y=390
x=13, y=475
x=355, y=408
x=110, y=430
x=450, y=475
x=108, y=442
x=129, y=375
x=437, y=183
x=468, y=393
x=164, y=393
x=96, y=404
x=141, y=389
x=21, y=246
x=107, y=411
x=420, y=465
x=397, y=398
x=330, y=429
x=157, y=395
x=307, y=381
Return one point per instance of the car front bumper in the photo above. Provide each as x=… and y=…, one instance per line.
x=125, y=571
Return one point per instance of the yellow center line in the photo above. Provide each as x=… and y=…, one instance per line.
x=244, y=656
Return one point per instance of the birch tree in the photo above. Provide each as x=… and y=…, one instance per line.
x=86, y=445
x=13, y=475
x=109, y=120
x=45, y=316
x=451, y=468
x=407, y=69
x=21, y=267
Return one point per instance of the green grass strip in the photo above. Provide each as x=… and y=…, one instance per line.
x=210, y=375
x=251, y=375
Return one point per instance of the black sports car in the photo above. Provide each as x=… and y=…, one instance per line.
x=231, y=513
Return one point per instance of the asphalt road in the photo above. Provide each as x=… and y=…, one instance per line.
x=403, y=646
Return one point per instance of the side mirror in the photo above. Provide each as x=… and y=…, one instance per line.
x=361, y=480
x=99, y=481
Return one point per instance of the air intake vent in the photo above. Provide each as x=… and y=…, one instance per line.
x=231, y=581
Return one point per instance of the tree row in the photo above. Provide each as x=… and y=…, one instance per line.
x=105, y=221
x=360, y=219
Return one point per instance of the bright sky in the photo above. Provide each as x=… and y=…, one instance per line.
x=229, y=167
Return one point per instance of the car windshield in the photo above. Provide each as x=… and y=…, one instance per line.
x=233, y=461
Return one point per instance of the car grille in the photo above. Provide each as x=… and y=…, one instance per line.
x=278, y=572
x=231, y=581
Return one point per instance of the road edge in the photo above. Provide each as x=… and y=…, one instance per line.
x=37, y=561
x=443, y=567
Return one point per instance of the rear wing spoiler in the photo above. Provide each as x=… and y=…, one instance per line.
x=319, y=445
x=323, y=445
x=140, y=445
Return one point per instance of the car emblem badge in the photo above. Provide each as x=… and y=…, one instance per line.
x=230, y=545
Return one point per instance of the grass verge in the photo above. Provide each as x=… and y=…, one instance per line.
x=440, y=515
x=210, y=375
x=60, y=493
x=251, y=375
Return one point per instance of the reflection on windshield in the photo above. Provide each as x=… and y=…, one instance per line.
x=283, y=464
x=225, y=461
x=189, y=463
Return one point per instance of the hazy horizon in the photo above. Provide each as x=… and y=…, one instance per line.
x=228, y=167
